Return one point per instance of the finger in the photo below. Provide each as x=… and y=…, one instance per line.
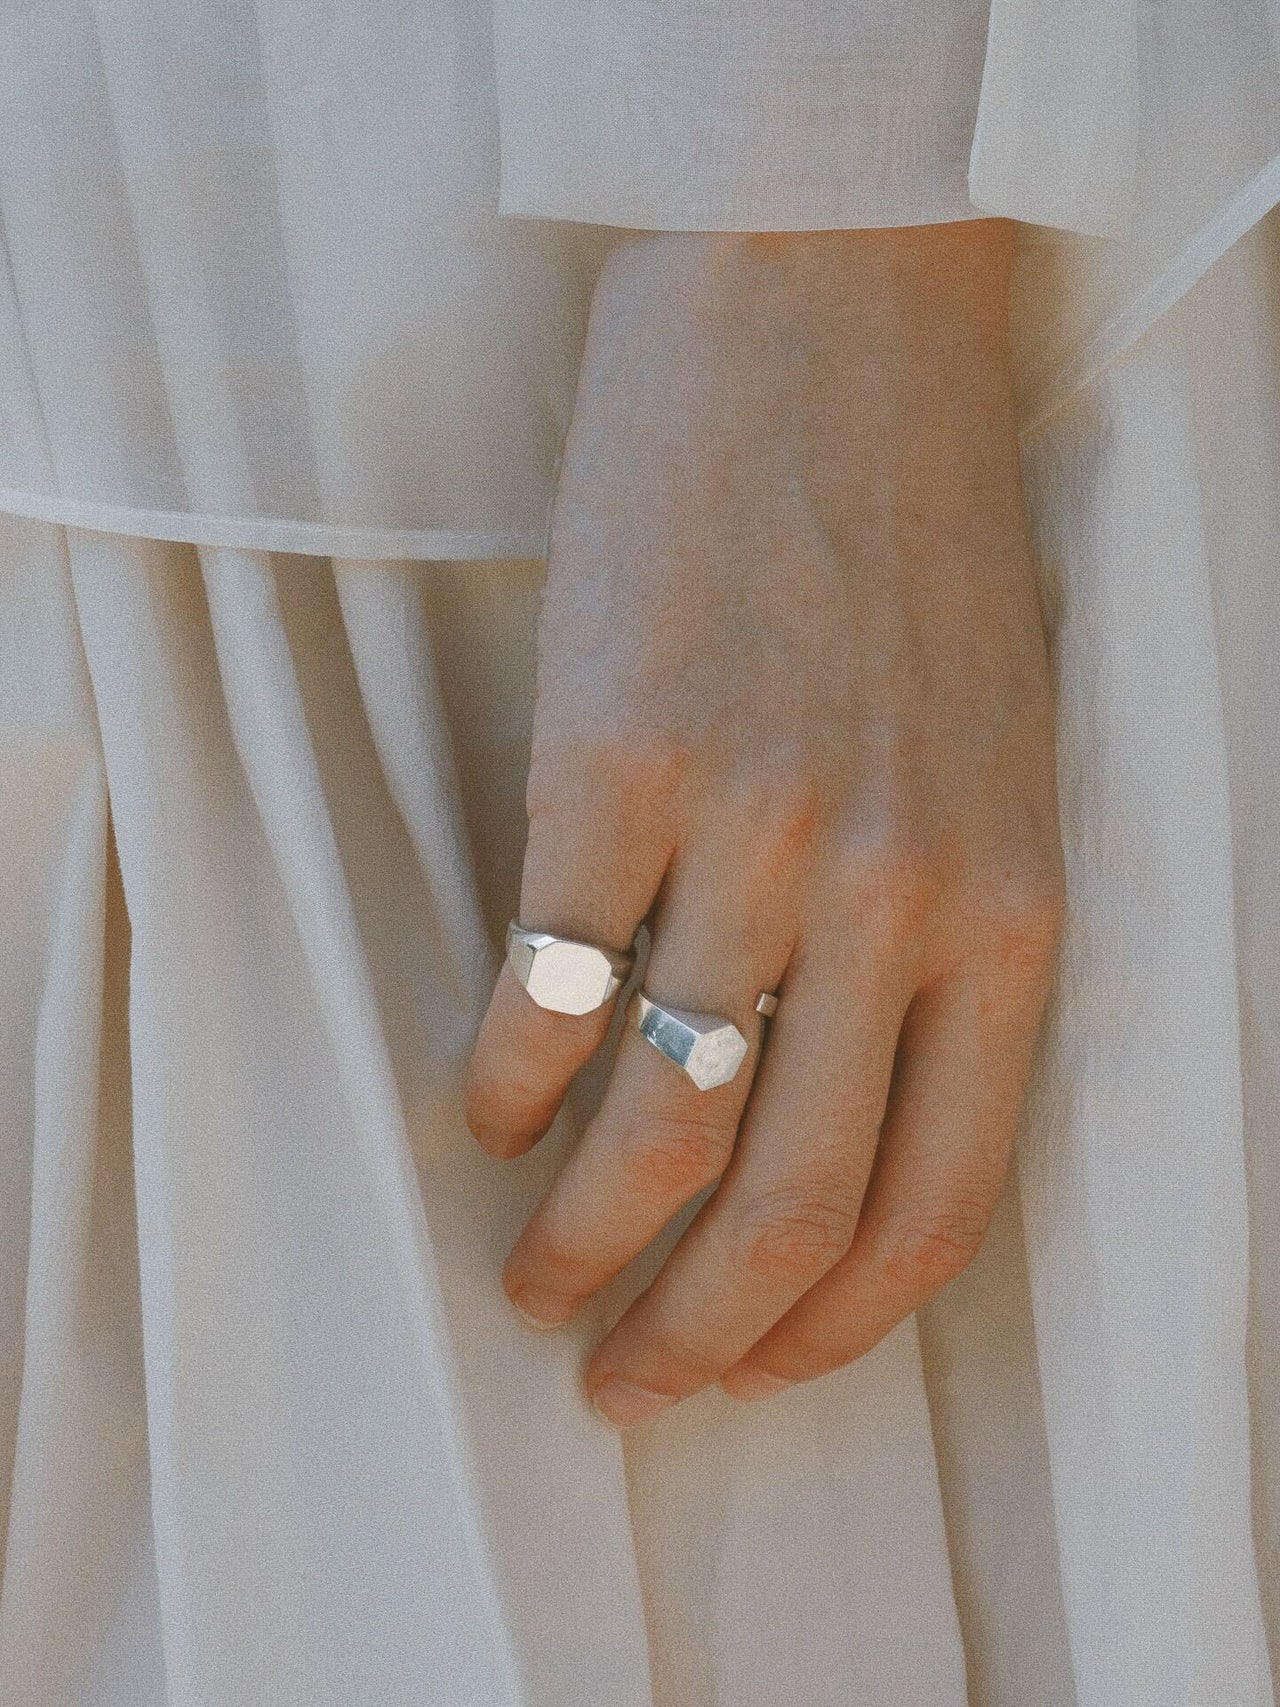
x=788, y=1205
x=658, y=1140
x=953, y=1110
x=599, y=845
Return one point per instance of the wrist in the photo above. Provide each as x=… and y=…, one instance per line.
x=956, y=270
x=862, y=364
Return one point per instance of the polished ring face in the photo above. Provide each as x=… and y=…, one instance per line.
x=707, y=1047
x=562, y=976
x=766, y=1005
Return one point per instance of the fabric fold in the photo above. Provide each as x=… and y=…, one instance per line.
x=769, y=116
x=1132, y=1164
x=345, y=1492
x=1231, y=332
x=1055, y=136
x=269, y=729
x=1048, y=385
x=78, y=1596
x=282, y=284
x=254, y=273
x=392, y=658
x=257, y=1330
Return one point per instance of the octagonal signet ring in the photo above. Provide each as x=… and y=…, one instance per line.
x=707, y=1047
x=564, y=976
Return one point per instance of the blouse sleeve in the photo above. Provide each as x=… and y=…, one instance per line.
x=1108, y=118
x=738, y=114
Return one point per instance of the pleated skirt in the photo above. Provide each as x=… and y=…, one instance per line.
x=269, y=1430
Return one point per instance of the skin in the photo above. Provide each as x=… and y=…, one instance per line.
x=794, y=710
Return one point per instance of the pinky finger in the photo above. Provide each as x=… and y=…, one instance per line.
x=943, y=1152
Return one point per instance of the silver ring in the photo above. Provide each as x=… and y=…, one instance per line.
x=708, y=1047
x=564, y=976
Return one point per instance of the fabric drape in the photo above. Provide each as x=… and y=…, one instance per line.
x=289, y=337
x=268, y=1430
x=283, y=275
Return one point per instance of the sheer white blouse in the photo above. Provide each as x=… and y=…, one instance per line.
x=292, y=274
x=311, y=276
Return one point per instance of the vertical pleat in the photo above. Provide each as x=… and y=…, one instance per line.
x=220, y=1308
x=547, y=1504
x=1231, y=329
x=315, y=1542
x=979, y=1352
x=777, y=1542
x=1132, y=1170
x=78, y=1623
x=292, y=1445
x=392, y=655
x=269, y=729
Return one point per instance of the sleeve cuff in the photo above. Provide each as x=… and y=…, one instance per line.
x=762, y=115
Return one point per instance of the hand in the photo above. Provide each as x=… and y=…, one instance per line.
x=794, y=708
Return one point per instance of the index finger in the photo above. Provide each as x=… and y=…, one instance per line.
x=595, y=860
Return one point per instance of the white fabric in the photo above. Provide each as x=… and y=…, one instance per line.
x=1133, y=1172
x=255, y=276
x=268, y=1431
x=285, y=1442
x=333, y=1467
x=780, y=115
x=257, y=291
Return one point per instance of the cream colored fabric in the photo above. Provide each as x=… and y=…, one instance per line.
x=257, y=291
x=268, y=1431
x=295, y=1446
x=771, y=115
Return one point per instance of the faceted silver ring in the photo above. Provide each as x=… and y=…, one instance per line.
x=708, y=1047
x=563, y=976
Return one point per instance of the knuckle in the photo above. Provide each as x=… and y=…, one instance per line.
x=488, y=1113
x=674, y=1154
x=693, y=1365
x=784, y=808
x=631, y=767
x=795, y=1235
x=484, y=1111
x=889, y=879
x=546, y=1257
x=1026, y=909
x=924, y=1246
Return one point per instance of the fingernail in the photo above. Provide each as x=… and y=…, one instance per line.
x=624, y=1404
x=753, y=1384
x=542, y=1309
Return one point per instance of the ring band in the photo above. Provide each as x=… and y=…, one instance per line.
x=563, y=976
x=708, y=1047
x=766, y=1005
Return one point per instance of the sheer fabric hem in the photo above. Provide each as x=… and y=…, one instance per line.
x=266, y=533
